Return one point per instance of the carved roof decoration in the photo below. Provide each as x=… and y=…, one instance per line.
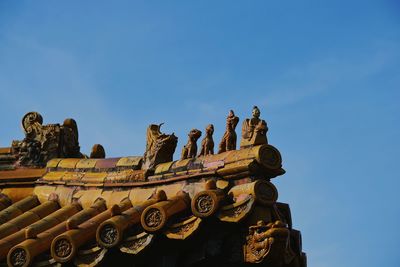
x=58, y=206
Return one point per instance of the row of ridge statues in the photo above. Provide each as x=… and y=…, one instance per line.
x=254, y=132
x=160, y=147
x=44, y=142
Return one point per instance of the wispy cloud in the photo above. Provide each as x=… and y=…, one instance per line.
x=58, y=86
x=301, y=82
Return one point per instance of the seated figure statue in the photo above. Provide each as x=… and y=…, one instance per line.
x=254, y=130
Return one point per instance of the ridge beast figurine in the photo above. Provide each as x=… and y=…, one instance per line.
x=59, y=207
x=228, y=141
x=207, y=144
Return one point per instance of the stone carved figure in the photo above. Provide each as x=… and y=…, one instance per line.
x=190, y=149
x=52, y=141
x=268, y=243
x=45, y=142
x=207, y=144
x=160, y=147
x=30, y=152
x=70, y=138
x=32, y=124
x=229, y=139
x=98, y=152
x=254, y=130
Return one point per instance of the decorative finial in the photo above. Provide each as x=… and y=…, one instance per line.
x=45, y=142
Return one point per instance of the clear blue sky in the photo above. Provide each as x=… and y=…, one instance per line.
x=325, y=74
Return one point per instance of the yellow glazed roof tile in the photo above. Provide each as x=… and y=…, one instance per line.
x=68, y=163
x=164, y=167
x=129, y=162
x=94, y=177
x=182, y=163
x=86, y=163
x=53, y=176
x=53, y=163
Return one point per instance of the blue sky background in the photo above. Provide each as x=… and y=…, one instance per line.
x=325, y=75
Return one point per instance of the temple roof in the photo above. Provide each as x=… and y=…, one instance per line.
x=59, y=206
